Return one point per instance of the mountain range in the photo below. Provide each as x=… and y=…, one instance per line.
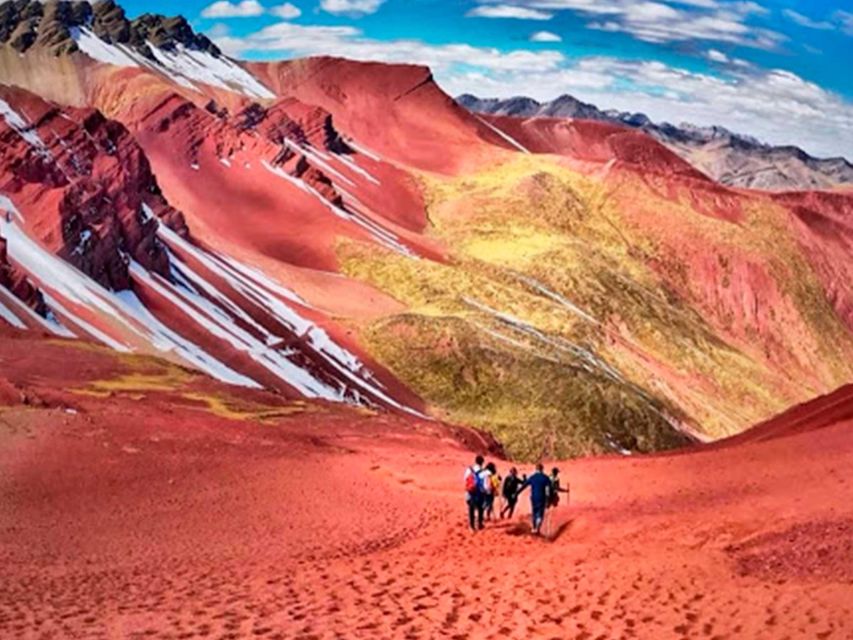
x=258, y=318
x=346, y=232
x=729, y=158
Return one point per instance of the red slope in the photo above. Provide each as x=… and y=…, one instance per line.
x=246, y=203
x=85, y=220
x=294, y=232
x=396, y=111
x=82, y=195
x=158, y=517
x=826, y=411
x=824, y=221
x=594, y=141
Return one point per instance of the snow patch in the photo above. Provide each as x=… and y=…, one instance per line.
x=381, y=235
x=357, y=169
x=50, y=324
x=7, y=205
x=515, y=143
x=82, y=243
x=363, y=150
x=316, y=159
x=201, y=66
x=615, y=446
x=97, y=49
x=7, y=315
x=588, y=360
x=556, y=297
x=147, y=213
x=165, y=339
x=296, y=182
x=182, y=65
x=124, y=307
x=259, y=290
x=93, y=331
x=23, y=128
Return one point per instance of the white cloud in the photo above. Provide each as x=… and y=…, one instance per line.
x=774, y=105
x=349, y=42
x=508, y=11
x=805, y=21
x=355, y=7
x=845, y=19
x=545, y=36
x=249, y=9
x=716, y=56
x=286, y=11
x=219, y=30
x=661, y=22
x=225, y=9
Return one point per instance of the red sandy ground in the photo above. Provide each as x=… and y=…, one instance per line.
x=136, y=517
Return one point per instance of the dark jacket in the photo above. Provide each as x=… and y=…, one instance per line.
x=540, y=488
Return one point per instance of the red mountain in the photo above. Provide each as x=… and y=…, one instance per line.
x=256, y=319
x=345, y=230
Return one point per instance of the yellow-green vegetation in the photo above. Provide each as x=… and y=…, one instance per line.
x=146, y=375
x=551, y=329
x=536, y=405
x=163, y=378
x=240, y=409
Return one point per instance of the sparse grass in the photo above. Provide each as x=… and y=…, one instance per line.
x=240, y=410
x=537, y=406
x=167, y=379
x=565, y=264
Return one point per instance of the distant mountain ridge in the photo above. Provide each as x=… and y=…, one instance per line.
x=730, y=158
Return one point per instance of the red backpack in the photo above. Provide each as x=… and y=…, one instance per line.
x=472, y=481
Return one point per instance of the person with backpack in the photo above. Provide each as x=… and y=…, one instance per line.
x=491, y=483
x=540, y=496
x=556, y=490
x=474, y=494
x=511, y=487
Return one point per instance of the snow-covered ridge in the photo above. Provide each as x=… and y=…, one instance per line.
x=515, y=143
x=200, y=66
x=183, y=65
x=355, y=383
x=228, y=307
x=24, y=129
x=97, y=49
x=7, y=315
x=361, y=219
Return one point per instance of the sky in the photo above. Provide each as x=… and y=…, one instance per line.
x=779, y=70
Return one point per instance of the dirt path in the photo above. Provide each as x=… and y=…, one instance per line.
x=141, y=515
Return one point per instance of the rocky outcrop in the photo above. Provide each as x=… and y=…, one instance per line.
x=18, y=284
x=95, y=190
x=729, y=158
x=397, y=108
x=167, y=32
x=50, y=25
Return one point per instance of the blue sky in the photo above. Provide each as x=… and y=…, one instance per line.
x=781, y=70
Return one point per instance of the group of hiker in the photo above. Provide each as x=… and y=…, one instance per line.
x=483, y=485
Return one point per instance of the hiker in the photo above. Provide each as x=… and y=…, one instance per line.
x=492, y=483
x=540, y=494
x=556, y=489
x=474, y=493
x=511, y=487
